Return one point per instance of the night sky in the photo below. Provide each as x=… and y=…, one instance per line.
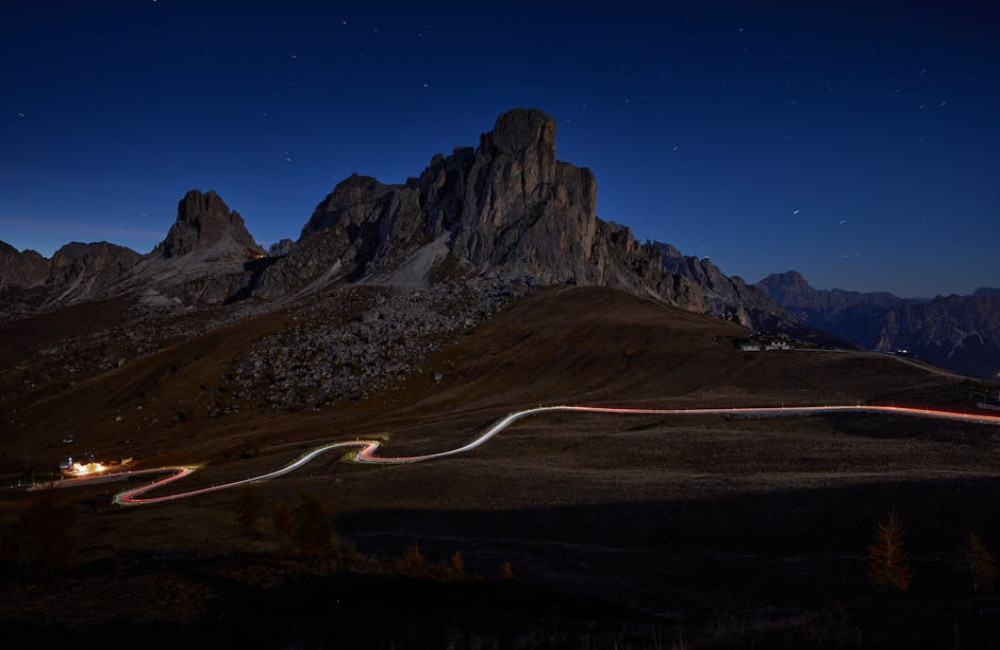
x=857, y=142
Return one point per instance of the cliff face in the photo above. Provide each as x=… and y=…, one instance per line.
x=507, y=206
x=21, y=269
x=725, y=296
x=206, y=226
x=507, y=209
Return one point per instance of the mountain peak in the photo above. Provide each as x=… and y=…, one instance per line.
x=21, y=269
x=520, y=130
x=205, y=223
x=788, y=278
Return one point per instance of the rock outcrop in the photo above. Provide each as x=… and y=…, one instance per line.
x=207, y=256
x=507, y=209
x=21, y=269
x=728, y=297
x=207, y=227
x=280, y=248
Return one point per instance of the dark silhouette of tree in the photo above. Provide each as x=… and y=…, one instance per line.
x=248, y=509
x=313, y=534
x=284, y=528
x=976, y=561
x=888, y=566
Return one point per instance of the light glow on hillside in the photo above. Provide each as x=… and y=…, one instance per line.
x=88, y=469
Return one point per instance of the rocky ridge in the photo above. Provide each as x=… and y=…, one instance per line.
x=21, y=269
x=507, y=209
x=961, y=333
x=203, y=260
x=794, y=293
x=728, y=297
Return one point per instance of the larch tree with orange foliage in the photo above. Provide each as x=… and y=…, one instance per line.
x=888, y=562
x=978, y=563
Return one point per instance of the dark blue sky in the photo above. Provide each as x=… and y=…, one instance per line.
x=857, y=142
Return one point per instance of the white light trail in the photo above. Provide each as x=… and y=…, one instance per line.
x=369, y=447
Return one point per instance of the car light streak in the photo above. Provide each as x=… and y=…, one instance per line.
x=366, y=453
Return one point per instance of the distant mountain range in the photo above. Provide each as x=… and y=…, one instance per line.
x=507, y=212
x=961, y=333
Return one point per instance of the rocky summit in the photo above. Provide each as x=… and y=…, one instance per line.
x=206, y=225
x=506, y=209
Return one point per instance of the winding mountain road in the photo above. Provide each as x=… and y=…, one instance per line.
x=366, y=453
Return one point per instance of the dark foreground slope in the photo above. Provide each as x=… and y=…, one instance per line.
x=619, y=531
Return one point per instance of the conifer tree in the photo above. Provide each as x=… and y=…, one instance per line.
x=888, y=562
x=978, y=563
